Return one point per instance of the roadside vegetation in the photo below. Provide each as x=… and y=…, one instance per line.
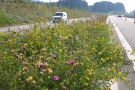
x=14, y=13
x=77, y=56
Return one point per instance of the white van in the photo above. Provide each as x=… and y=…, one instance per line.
x=59, y=16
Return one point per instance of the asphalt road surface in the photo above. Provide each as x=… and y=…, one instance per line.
x=126, y=26
x=28, y=26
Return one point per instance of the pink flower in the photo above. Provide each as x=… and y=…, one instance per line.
x=56, y=78
x=70, y=36
x=55, y=56
x=71, y=61
x=42, y=65
x=24, y=46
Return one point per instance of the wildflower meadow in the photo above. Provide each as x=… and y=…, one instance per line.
x=78, y=56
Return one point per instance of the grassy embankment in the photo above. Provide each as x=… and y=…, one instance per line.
x=28, y=12
x=74, y=57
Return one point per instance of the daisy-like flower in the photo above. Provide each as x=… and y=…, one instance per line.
x=72, y=62
x=56, y=78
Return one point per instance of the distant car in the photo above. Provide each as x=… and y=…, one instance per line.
x=119, y=15
x=59, y=16
x=92, y=16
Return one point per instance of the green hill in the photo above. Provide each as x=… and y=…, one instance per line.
x=28, y=12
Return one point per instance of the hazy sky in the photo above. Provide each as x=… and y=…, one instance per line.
x=129, y=4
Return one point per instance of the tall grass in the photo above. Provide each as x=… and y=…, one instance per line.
x=77, y=56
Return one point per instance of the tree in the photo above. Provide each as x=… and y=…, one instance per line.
x=119, y=7
x=78, y=4
x=106, y=7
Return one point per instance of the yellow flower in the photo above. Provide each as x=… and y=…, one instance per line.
x=11, y=57
x=103, y=60
x=19, y=73
x=49, y=77
x=65, y=37
x=109, y=69
x=59, y=43
x=99, y=53
x=11, y=84
x=85, y=84
x=91, y=70
x=129, y=79
x=29, y=78
x=23, y=84
x=124, y=78
x=128, y=84
x=88, y=70
x=50, y=70
x=60, y=50
x=60, y=57
x=87, y=78
x=46, y=88
x=105, y=74
x=89, y=73
x=26, y=44
x=109, y=76
x=120, y=74
x=114, y=70
x=114, y=80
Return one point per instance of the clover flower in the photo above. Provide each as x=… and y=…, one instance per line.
x=70, y=36
x=56, y=78
x=24, y=46
x=72, y=62
x=55, y=56
x=42, y=65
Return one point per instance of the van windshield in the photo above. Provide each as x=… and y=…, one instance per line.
x=58, y=14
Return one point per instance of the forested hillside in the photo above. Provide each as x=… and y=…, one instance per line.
x=106, y=7
x=103, y=6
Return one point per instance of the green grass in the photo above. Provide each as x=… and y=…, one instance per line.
x=7, y=19
x=32, y=59
x=29, y=12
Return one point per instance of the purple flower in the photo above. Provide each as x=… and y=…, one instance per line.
x=87, y=38
x=42, y=65
x=71, y=61
x=56, y=78
x=70, y=36
x=55, y=56
x=24, y=46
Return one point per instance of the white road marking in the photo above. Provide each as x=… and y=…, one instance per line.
x=127, y=48
x=125, y=44
x=114, y=86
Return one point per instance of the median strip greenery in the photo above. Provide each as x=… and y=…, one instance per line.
x=77, y=56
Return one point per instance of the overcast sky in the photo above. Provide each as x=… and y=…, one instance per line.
x=129, y=4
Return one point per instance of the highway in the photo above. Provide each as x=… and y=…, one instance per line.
x=127, y=28
x=28, y=26
x=125, y=32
